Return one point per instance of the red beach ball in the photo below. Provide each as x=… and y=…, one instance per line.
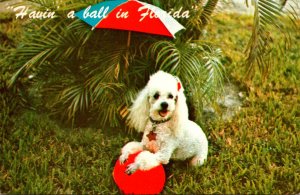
x=140, y=182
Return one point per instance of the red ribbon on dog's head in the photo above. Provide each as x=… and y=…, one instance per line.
x=178, y=86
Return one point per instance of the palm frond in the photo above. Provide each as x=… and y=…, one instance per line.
x=47, y=44
x=266, y=18
x=80, y=98
x=77, y=98
x=179, y=59
x=208, y=9
x=214, y=80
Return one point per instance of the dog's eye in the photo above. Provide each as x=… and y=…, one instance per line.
x=156, y=96
x=170, y=96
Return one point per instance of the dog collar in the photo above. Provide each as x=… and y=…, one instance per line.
x=152, y=135
x=155, y=122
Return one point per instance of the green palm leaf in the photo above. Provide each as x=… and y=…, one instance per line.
x=266, y=18
x=47, y=45
x=215, y=73
x=179, y=59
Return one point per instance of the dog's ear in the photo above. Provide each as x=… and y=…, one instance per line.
x=139, y=111
x=181, y=111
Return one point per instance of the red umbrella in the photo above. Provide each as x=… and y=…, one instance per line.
x=131, y=15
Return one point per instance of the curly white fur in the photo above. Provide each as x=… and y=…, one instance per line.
x=176, y=137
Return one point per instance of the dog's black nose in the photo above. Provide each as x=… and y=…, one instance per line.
x=164, y=105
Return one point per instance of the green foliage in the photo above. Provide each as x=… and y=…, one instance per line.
x=11, y=98
x=56, y=160
x=81, y=74
x=255, y=153
x=267, y=19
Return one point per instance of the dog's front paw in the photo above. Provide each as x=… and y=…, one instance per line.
x=131, y=168
x=123, y=158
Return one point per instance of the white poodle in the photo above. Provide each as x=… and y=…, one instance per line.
x=160, y=111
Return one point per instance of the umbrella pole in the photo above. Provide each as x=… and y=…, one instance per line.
x=127, y=50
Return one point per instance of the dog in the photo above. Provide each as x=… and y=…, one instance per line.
x=161, y=113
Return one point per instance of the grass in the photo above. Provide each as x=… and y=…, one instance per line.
x=40, y=157
x=257, y=152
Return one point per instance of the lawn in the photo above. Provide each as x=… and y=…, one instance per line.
x=256, y=152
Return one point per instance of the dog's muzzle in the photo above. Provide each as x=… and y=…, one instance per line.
x=164, y=109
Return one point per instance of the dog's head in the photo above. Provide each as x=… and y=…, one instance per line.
x=161, y=99
x=162, y=95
